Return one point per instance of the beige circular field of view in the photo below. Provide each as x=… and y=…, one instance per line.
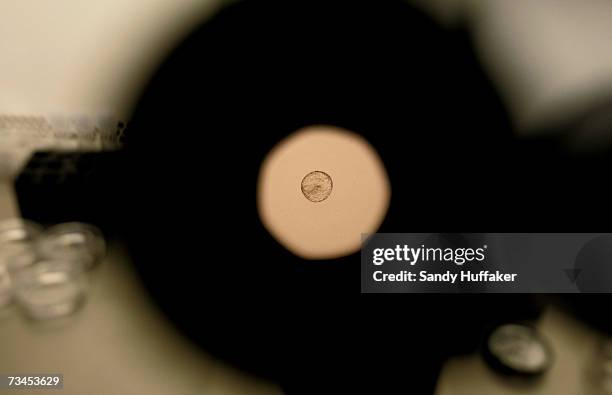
x=320, y=189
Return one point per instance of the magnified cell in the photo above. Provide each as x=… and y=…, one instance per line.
x=317, y=186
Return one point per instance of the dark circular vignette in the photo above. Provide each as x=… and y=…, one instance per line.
x=259, y=70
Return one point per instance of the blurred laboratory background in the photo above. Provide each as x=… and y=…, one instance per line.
x=107, y=117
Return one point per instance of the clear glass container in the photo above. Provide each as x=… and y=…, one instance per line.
x=17, y=239
x=50, y=288
x=73, y=241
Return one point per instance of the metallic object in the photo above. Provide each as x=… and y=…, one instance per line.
x=519, y=349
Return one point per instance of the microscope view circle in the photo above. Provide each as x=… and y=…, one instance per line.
x=317, y=186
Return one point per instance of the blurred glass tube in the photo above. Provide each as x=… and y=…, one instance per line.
x=50, y=289
x=16, y=239
x=551, y=60
x=73, y=241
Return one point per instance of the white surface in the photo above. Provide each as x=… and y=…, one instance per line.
x=551, y=59
x=86, y=57
x=75, y=62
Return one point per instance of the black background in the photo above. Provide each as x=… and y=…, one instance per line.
x=258, y=71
